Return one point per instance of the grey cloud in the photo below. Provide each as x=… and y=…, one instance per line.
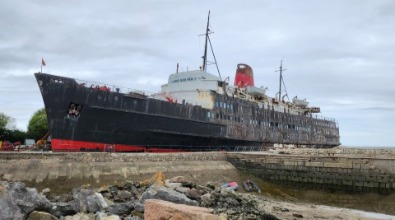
x=338, y=54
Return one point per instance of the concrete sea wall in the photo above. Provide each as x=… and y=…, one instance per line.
x=338, y=168
x=63, y=171
x=335, y=169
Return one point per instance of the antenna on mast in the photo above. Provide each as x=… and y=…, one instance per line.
x=205, y=44
x=281, y=82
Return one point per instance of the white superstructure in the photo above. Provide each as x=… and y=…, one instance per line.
x=196, y=87
x=191, y=87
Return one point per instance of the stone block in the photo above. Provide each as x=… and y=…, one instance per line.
x=338, y=165
x=158, y=209
x=290, y=163
x=365, y=167
x=356, y=166
x=360, y=178
x=314, y=164
x=383, y=178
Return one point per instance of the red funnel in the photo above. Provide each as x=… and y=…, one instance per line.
x=244, y=76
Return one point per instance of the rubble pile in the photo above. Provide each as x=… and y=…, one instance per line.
x=158, y=198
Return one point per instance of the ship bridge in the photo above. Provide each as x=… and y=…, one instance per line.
x=191, y=80
x=191, y=87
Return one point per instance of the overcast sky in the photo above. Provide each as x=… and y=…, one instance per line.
x=340, y=55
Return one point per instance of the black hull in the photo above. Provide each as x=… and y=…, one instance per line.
x=113, y=118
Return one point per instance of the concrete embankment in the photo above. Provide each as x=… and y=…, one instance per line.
x=63, y=171
x=338, y=168
x=334, y=169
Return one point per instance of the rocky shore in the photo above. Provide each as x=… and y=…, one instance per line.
x=158, y=198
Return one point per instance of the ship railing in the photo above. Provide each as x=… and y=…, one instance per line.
x=125, y=90
x=320, y=117
x=180, y=100
x=113, y=88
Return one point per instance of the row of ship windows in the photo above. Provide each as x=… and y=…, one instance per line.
x=324, y=124
x=256, y=122
x=225, y=105
x=186, y=79
x=276, y=115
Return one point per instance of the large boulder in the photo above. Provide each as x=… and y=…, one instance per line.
x=181, y=179
x=182, y=189
x=132, y=218
x=17, y=200
x=64, y=209
x=121, y=208
x=104, y=216
x=166, y=194
x=81, y=216
x=35, y=215
x=194, y=194
x=207, y=200
x=80, y=195
x=178, y=179
x=159, y=209
x=96, y=203
x=170, y=185
x=124, y=195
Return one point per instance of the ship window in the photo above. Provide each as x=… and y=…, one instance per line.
x=208, y=114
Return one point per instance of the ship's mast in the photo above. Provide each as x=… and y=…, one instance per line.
x=281, y=80
x=208, y=41
x=204, y=66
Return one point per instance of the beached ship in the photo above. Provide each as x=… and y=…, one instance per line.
x=195, y=111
